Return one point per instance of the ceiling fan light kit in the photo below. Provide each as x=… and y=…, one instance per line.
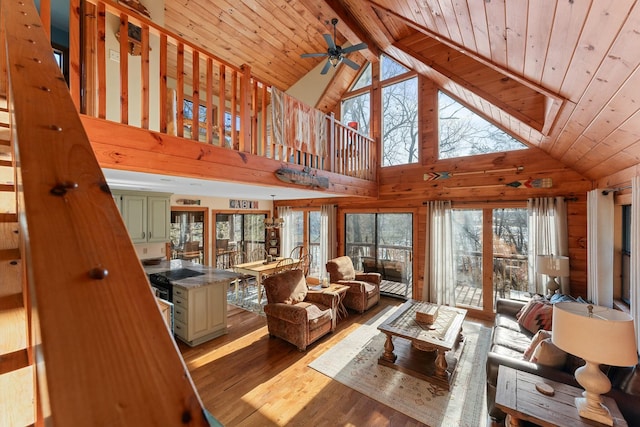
x=335, y=53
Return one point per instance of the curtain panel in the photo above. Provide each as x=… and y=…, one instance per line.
x=635, y=256
x=287, y=232
x=440, y=273
x=328, y=236
x=548, y=235
x=600, y=249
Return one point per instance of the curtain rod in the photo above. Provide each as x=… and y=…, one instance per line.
x=606, y=191
x=568, y=199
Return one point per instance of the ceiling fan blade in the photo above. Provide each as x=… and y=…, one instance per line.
x=312, y=55
x=329, y=40
x=326, y=67
x=355, y=47
x=350, y=63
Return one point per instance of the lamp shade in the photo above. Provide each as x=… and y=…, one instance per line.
x=553, y=265
x=596, y=334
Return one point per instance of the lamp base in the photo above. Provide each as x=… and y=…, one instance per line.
x=600, y=414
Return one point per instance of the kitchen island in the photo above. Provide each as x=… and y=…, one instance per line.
x=199, y=296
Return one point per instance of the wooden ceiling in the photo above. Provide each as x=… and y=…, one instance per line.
x=560, y=74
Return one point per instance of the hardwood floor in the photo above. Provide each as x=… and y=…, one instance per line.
x=246, y=378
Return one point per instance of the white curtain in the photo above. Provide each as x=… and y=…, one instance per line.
x=440, y=274
x=548, y=235
x=328, y=236
x=635, y=256
x=287, y=232
x=600, y=247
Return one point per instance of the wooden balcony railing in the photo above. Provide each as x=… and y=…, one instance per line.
x=102, y=351
x=169, y=85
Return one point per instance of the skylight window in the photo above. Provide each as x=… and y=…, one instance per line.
x=464, y=133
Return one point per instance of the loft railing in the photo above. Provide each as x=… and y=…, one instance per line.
x=102, y=351
x=165, y=83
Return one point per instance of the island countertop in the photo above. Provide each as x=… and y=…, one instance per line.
x=210, y=275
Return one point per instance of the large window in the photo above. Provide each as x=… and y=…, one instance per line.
x=357, y=109
x=464, y=133
x=240, y=233
x=505, y=256
x=400, y=123
x=383, y=243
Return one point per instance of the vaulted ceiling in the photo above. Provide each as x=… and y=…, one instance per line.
x=560, y=74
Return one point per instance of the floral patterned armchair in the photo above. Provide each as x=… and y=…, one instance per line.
x=295, y=314
x=364, y=288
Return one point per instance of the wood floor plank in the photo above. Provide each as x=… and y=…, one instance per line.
x=247, y=378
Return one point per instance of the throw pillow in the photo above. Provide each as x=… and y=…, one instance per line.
x=536, y=298
x=537, y=338
x=538, y=316
x=548, y=354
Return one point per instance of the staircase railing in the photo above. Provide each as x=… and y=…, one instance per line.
x=102, y=351
x=168, y=84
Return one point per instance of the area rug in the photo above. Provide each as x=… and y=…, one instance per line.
x=354, y=363
x=247, y=300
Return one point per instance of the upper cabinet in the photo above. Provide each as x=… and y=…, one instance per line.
x=146, y=215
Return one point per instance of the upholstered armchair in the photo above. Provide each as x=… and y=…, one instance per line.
x=296, y=315
x=364, y=288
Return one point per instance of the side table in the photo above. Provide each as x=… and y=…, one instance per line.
x=517, y=396
x=341, y=291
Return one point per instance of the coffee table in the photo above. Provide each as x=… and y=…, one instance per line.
x=427, y=351
x=517, y=396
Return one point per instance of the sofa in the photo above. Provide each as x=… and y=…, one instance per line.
x=510, y=341
x=364, y=288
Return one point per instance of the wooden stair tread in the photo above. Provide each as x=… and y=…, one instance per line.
x=8, y=217
x=9, y=254
x=13, y=324
x=17, y=397
x=13, y=361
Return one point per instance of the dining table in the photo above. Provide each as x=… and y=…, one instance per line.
x=259, y=270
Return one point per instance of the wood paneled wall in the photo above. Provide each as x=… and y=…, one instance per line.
x=404, y=189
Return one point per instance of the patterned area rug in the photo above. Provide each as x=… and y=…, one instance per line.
x=354, y=363
x=247, y=300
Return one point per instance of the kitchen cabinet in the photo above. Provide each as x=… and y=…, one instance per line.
x=146, y=215
x=200, y=313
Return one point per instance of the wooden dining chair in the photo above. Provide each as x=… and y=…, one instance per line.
x=285, y=264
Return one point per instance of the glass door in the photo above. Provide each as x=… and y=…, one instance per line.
x=189, y=234
x=383, y=243
x=236, y=232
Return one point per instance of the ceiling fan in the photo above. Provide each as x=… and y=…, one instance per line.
x=335, y=54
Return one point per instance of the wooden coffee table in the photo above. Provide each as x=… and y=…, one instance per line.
x=517, y=396
x=427, y=351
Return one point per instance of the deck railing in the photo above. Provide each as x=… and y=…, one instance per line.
x=165, y=83
x=102, y=351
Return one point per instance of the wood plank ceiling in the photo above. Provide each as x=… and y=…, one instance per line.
x=560, y=74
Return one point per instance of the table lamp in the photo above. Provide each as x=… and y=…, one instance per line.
x=553, y=266
x=599, y=335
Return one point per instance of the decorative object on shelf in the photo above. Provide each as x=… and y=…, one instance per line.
x=599, y=335
x=523, y=183
x=134, y=34
x=243, y=204
x=335, y=53
x=552, y=266
x=303, y=177
x=273, y=222
x=432, y=176
x=188, y=201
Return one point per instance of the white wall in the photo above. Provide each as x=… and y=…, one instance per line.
x=310, y=88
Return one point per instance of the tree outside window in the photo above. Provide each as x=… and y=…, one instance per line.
x=464, y=133
x=400, y=123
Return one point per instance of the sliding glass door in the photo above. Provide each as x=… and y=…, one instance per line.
x=238, y=232
x=383, y=243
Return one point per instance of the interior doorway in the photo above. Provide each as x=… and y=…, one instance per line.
x=189, y=234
